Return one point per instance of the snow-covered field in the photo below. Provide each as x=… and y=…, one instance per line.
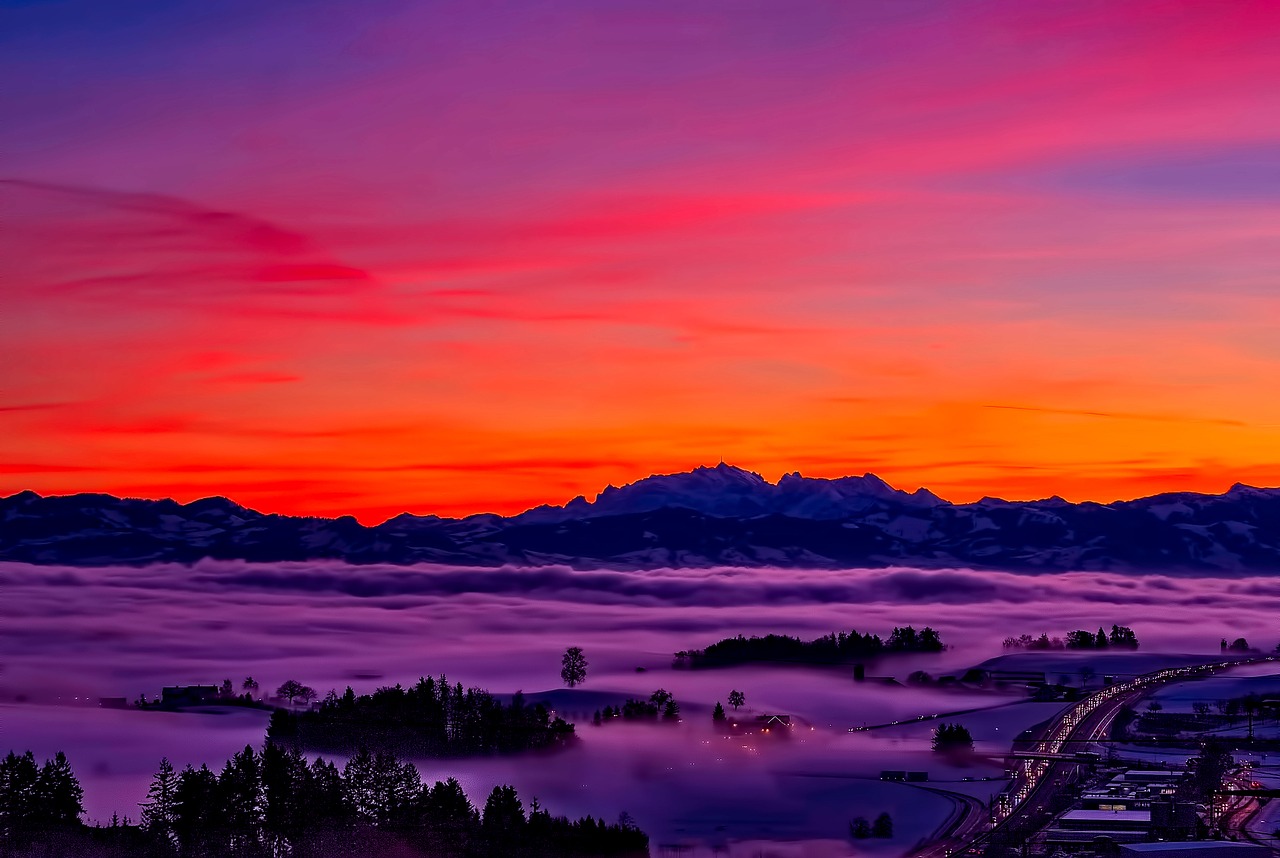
x=68, y=633
x=1254, y=679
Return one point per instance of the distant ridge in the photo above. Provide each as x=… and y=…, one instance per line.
x=710, y=516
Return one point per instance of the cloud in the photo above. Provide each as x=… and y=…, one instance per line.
x=32, y=406
x=254, y=378
x=245, y=231
x=1120, y=415
x=880, y=205
x=44, y=467
x=718, y=587
x=160, y=251
x=124, y=622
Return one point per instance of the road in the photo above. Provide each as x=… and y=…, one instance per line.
x=1025, y=806
x=1240, y=810
x=965, y=810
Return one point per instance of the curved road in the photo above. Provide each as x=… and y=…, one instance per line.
x=1241, y=810
x=1024, y=806
x=967, y=810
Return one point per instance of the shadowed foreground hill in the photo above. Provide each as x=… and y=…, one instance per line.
x=721, y=516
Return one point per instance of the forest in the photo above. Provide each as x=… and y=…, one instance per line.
x=276, y=802
x=432, y=718
x=661, y=704
x=1121, y=637
x=834, y=648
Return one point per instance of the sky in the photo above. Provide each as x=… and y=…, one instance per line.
x=329, y=258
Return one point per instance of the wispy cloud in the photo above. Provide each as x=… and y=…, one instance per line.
x=1120, y=415
x=879, y=236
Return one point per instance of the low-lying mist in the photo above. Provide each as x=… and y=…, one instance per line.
x=68, y=633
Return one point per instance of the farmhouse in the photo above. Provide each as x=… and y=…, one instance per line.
x=188, y=695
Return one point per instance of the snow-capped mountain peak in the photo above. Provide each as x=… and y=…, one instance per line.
x=727, y=491
x=709, y=516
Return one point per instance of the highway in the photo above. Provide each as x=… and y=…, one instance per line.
x=1024, y=807
x=1239, y=810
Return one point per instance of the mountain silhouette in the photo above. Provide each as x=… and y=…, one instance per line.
x=710, y=516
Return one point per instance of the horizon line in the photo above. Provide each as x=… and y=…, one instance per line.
x=599, y=493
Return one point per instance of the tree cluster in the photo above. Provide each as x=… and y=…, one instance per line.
x=36, y=799
x=1249, y=704
x=950, y=738
x=1252, y=706
x=276, y=803
x=1121, y=637
x=1207, y=770
x=292, y=691
x=835, y=648
x=661, y=704
x=432, y=718
x=860, y=829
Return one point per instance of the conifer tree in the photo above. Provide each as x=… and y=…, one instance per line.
x=504, y=821
x=198, y=815
x=160, y=810
x=18, y=796
x=59, y=797
x=242, y=799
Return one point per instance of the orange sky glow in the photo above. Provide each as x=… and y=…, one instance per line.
x=988, y=248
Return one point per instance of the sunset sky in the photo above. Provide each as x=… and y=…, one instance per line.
x=334, y=257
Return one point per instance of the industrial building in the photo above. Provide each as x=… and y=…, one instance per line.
x=1195, y=849
x=1134, y=807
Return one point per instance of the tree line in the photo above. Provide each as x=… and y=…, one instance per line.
x=952, y=738
x=37, y=799
x=835, y=648
x=275, y=803
x=431, y=718
x=661, y=704
x=1121, y=637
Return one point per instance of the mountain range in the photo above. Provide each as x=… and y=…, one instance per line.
x=720, y=516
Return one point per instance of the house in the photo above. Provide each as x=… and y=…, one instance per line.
x=768, y=721
x=188, y=695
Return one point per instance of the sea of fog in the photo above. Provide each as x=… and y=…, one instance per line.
x=71, y=635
